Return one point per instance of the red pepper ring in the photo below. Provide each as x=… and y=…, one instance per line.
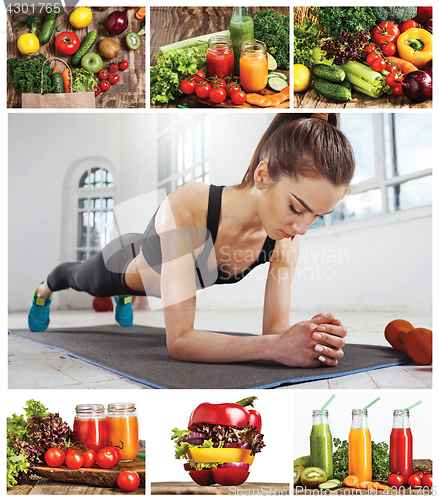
x=230, y=414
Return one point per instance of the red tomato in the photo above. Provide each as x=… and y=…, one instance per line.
x=397, y=89
x=123, y=65
x=106, y=457
x=113, y=78
x=407, y=25
x=396, y=480
x=390, y=79
x=103, y=74
x=378, y=64
x=67, y=43
x=105, y=85
x=202, y=477
x=128, y=480
x=74, y=460
x=202, y=91
x=199, y=76
x=427, y=481
x=384, y=32
x=370, y=48
x=392, y=68
x=117, y=452
x=97, y=90
x=238, y=97
x=89, y=458
x=414, y=481
x=230, y=477
x=388, y=49
x=217, y=95
x=419, y=473
x=371, y=58
x=114, y=68
x=188, y=86
x=231, y=87
x=54, y=457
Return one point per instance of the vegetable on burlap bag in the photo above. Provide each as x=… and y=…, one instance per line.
x=65, y=100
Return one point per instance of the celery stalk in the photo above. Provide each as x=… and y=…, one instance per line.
x=198, y=41
x=364, y=79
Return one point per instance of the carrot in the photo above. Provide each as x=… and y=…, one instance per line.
x=140, y=14
x=363, y=485
x=276, y=99
x=373, y=486
x=404, y=66
x=258, y=100
x=286, y=91
x=66, y=80
x=382, y=487
x=350, y=481
x=56, y=70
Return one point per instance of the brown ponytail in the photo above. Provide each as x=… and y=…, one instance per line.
x=303, y=145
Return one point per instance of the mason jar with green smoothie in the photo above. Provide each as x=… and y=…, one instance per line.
x=241, y=30
x=321, y=442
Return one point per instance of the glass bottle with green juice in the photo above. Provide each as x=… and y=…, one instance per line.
x=321, y=442
x=241, y=30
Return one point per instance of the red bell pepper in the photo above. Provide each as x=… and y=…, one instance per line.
x=231, y=414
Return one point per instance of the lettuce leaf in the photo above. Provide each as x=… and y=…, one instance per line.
x=83, y=81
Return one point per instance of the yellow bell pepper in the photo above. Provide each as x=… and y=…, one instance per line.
x=416, y=46
x=28, y=44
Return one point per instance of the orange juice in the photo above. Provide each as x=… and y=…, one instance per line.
x=253, y=66
x=123, y=429
x=360, y=454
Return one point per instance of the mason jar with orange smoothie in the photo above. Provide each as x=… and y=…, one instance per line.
x=253, y=66
x=123, y=429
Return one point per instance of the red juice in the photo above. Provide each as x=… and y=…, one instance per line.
x=220, y=60
x=401, y=452
x=90, y=431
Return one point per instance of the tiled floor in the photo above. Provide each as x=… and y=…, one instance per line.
x=34, y=367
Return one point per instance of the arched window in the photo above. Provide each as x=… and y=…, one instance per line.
x=95, y=203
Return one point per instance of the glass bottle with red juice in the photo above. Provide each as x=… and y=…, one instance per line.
x=219, y=58
x=89, y=426
x=401, y=444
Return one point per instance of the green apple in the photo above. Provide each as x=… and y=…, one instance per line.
x=92, y=62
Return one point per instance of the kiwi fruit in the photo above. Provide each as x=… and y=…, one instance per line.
x=303, y=461
x=133, y=40
x=297, y=470
x=311, y=477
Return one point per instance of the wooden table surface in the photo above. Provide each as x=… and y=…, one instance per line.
x=191, y=488
x=173, y=24
x=310, y=99
x=129, y=92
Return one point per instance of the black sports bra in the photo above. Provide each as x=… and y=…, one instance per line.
x=152, y=252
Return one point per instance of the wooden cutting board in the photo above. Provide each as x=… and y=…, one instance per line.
x=92, y=476
x=183, y=488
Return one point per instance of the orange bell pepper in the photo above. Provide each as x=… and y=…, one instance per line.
x=416, y=46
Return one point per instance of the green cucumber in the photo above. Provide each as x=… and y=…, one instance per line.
x=328, y=486
x=278, y=74
x=48, y=26
x=333, y=74
x=332, y=90
x=347, y=84
x=335, y=481
x=58, y=85
x=277, y=84
x=85, y=47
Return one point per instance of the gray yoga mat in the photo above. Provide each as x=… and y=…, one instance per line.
x=140, y=354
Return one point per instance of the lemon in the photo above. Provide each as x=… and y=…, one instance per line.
x=28, y=44
x=302, y=77
x=80, y=17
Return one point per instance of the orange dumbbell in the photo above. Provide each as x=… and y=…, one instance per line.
x=416, y=342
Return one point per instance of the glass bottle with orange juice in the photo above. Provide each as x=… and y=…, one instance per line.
x=123, y=428
x=360, y=447
x=253, y=66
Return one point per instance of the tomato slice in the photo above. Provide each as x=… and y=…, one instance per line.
x=230, y=477
x=202, y=477
x=220, y=455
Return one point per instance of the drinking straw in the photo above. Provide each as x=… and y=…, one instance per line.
x=324, y=406
x=240, y=14
x=370, y=404
x=141, y=455
x=413, y=405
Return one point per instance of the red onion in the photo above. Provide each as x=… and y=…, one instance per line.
x=418, y=86
x=116, y=22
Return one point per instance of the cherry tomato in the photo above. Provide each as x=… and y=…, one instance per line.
x=388, y=49
x=370, y=48
x=218, y=83
x=117, y=452
x=74, y=460
x=97, y=90
x=397, y=89
x=390, y=79
x=114, y=67
x=217, y=95
x=199, y=76
x=106, y=457
x=378, y=64
x=203, y=90
x=67, y=43
x=414, y=481
x=371, y=58
x=427, y=481
x=123, y=65
x=128, y=480
x=54, y=457
x=113, y=78
x=238, y=97
x=89, y=458
x=105, y=85
x=407, y=25
x=392, y=68
x=232, y=86
x=188, y=86
x=396, y=480
x=384, y=32
x=103, y=74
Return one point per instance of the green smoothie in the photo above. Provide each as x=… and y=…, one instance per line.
x=321, y=448
x=241, y=30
